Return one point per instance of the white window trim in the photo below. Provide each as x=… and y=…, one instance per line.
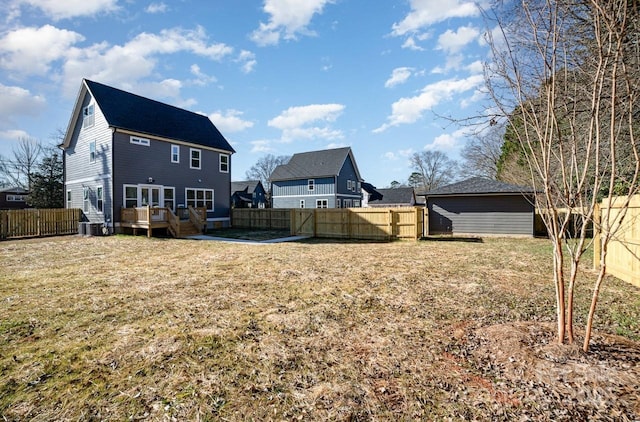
x=320, y=202
x=302, y=203
x=191, y=150
x=213, y=197
x=177, y=160
x=69, y=199
x=93, y=151
x=136, y=140
x=311, y=185
x=100, y=210
x=86, y=199
x=227, y=163
x=124, y=194
x=164, y=200
x=88, y=120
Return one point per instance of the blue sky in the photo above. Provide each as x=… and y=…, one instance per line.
x=275, y=76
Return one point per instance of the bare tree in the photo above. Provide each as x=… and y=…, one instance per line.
x=434, y=167
x=565, y=74
x=263, y=168
x=18, y=170
x=481, y=153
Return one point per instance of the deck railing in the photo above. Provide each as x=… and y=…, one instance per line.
x=158, y=217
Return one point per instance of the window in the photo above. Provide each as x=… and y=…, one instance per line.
x=322, y=203
x=85, y=199
x=88, y=117
x=130, y=196
x=140, y=141
x=195, y=158
x=356, y=203
x=92, y=152
x=200, y=198
x=175, y=153
x=16, y=198
x=224, y=163
x=310, y=184
x=302, y=203
x=169, y=198
x=69, y=203
x=359, y=187
x=348, y=184
x=99, y=199
x=338, y=202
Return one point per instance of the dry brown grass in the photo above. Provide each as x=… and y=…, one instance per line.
x=132, y=328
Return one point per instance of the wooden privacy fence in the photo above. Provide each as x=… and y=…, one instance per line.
x=623, y=252
x=36, y=223
x=343, y=223
x=261, y=218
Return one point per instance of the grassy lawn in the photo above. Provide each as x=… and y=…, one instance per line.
x=115, y=328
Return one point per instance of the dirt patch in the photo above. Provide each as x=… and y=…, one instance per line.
x=522, y=364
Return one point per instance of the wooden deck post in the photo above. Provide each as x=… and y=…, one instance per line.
x=149, y=221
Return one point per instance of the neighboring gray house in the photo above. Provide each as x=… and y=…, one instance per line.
x=481, y=206
x=124, y=150
x=317, y=179
x=369, y=193
x=394, y=197
x=248, y=194
x=13, y=198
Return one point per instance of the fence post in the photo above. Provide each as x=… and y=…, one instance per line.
x=4, y=224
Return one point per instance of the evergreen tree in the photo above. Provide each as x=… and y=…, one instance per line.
x=47, y=189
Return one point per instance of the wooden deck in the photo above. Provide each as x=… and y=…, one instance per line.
x=189, y=221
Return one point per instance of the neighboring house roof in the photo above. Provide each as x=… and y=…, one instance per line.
x=15, y=190
x=479, y=186
x=248, y=186
x=395, y=196
x=372, y=191
x=127, y=111
x=306, y=165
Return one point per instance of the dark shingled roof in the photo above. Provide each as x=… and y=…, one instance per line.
x=478, y=186
x=323, y=163
x=124, y=110
x=248, y=185
x=372, y=191
x=394, y=196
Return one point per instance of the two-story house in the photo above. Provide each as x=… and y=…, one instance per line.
x=122, y=150
x=248, y=194
x=317, y=179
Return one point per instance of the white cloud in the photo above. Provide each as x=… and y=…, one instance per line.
x=453, y=42
x=334, y=145
x=18, y=101
x=288, y=19
x=30, y=51
x=13, y=134
x=399, y=76
x=157, y=8
x=202, y=78
x=305, y=122
x=410, y=109
x=248, y=61
x=261, y=146
x=410, y=43
x=425, y=13
x=395, y=156
x=124, y=65
x=229, y=121
x=58, y=9
x=447, y=141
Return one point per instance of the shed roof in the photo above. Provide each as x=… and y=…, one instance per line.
x=323, y=163
x=247, y=185
x=479, y=186
x=127, y=111
x=14, y=189
x=395, y=196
